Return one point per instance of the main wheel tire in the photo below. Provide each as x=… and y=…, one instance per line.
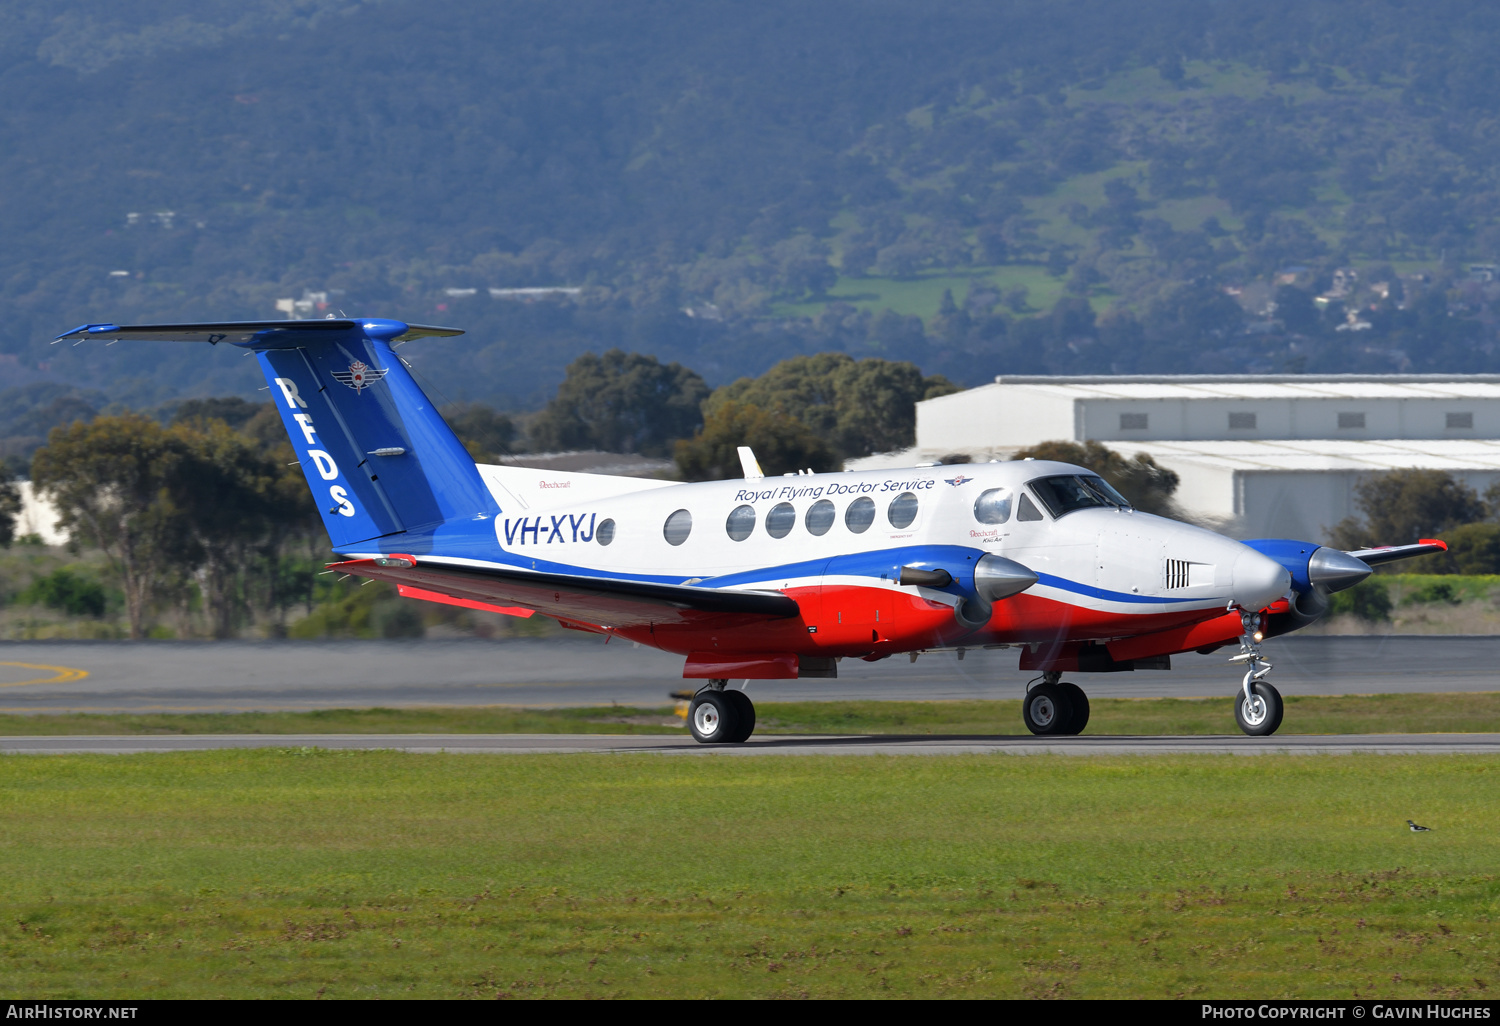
x=712, y=718
x=744, y=710
x=1047, y=709
x=1080, y=703
x=1260, y=716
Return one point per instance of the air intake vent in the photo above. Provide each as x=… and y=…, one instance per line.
x=1184, y=574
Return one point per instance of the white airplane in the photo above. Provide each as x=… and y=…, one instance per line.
x=775, y=577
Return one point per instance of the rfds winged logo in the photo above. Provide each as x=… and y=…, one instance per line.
x=359, y=376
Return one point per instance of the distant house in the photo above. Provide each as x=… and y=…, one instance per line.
x=530, y=295
x=301, y=309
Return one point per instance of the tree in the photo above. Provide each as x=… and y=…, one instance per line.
x=1472, y=549
x=856, y=406
x=1295, y=309
x=483, y=430
x=1145, y=483
x=109, y=482
x=1402, y=506
x=782, y=444
x=621, y=402
x=232, y=410
x=223, y=489
x=10, y=509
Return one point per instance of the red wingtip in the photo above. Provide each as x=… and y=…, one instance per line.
x=1433, y=541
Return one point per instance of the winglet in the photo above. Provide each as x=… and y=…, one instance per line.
x=750, y=464
x=1433, y=541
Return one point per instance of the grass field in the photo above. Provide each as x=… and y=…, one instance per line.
x=302, y=873
x=1348, y=714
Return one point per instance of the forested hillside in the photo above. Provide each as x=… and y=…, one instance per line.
x=977, y=187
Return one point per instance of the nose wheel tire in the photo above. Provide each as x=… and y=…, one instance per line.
x=1261, y=715
x=1047, y=709
x=721, y=717
x=1080, y=703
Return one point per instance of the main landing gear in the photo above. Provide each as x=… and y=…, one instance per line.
x=1055, y=706
x=721, y=716
x=1258, y=707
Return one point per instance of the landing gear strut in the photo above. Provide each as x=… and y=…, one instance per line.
x=1258, y=707
x=1055, y=706
x=721, y=716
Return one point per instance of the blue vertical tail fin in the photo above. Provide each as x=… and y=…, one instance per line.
x=384, y=468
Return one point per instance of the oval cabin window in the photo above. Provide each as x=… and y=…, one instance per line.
x=820, y=517
x=677, y=528
x=902, y=511
x=741, y=522
x=605, y=532
x=860, y=514
x=993, y=506
x=781, y=520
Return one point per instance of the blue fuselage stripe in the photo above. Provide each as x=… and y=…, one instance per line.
x=1063, y=584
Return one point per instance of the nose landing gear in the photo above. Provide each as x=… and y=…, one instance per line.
x=721, y=716
x=1055, y=707
x=1258, y=707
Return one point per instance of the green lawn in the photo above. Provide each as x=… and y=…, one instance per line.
x=373, y=874
x=1347, y=714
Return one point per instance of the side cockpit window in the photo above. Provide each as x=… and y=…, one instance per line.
x=1026, y=509
x=993, y=506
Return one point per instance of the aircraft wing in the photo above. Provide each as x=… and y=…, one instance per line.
x=600, y=601
x=232, y=331
x=1391, y=553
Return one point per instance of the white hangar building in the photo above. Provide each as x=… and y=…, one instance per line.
x=1258, y=455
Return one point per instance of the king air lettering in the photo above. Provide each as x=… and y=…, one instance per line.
x=328, y=470
x=546, y=529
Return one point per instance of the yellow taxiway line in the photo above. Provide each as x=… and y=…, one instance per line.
x=61, y=675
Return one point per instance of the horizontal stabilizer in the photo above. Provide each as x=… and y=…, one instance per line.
x=238, y=332
x=600, y=601
x=1391, y=553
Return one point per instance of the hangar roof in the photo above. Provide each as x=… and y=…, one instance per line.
x=1323, y=455
x=1262, y=386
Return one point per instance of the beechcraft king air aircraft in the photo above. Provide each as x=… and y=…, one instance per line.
x=769, y=578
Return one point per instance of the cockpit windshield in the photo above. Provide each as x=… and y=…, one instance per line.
x=1068, y=492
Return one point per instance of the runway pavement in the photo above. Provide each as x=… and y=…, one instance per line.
x=539, y=744
x=37, y=677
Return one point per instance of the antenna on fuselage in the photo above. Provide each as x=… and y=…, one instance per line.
x=750, y=464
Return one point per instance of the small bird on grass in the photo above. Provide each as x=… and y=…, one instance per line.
x=1417, y=829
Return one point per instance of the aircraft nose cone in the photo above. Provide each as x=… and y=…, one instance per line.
x=1258, y=580
x=1336, y=570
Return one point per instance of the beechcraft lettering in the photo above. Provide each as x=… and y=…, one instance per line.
x=549, y=528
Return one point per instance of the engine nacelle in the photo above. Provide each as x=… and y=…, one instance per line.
x=1317, y=572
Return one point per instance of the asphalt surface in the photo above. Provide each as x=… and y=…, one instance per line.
x=538, y=744
x=39, y=677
